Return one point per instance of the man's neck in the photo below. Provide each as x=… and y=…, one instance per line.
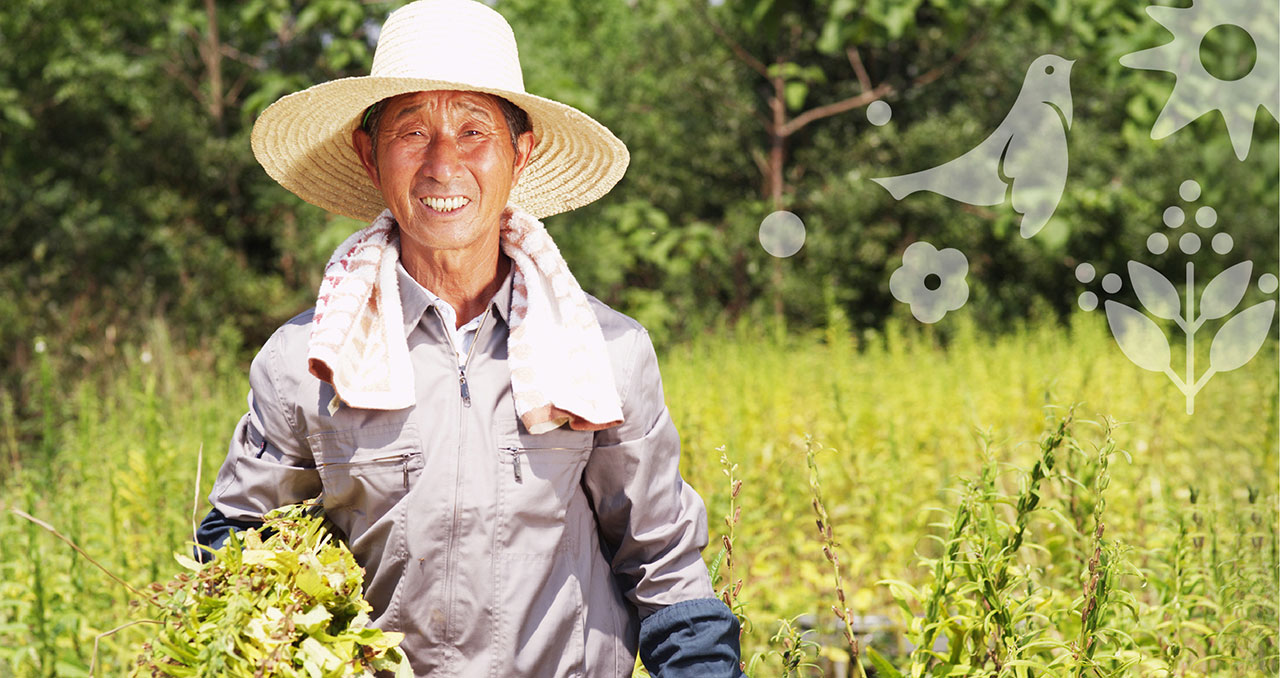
x=465, y=280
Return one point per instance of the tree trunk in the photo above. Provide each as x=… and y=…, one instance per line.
x=211, y=50
x=777, y=161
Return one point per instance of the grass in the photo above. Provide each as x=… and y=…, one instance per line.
x=1146, y=545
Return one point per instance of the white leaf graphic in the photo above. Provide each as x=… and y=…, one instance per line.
x=1241, y=337
x=1141, y=340
x=1224, y=292
x=1155, y=291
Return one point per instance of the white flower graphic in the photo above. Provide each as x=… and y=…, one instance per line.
x=931, y=281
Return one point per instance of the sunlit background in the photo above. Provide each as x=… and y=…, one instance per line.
x=145, y=256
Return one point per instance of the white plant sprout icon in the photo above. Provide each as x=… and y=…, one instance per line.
x=1197, y=91
x=1144, y=343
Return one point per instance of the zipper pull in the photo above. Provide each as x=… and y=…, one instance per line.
x=406, y=471
x=515, y=466
x=462, y=386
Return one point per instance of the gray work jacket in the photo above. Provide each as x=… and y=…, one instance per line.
x=496, y=552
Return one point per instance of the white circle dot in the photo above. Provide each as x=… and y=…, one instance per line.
x=1157, y=243
x=1173, y=217
x=879, y=112
x=1088, y=301
x=1268, y=283
x=1222, y=243
x=1085, y=272
x=1189, y=190
x=1189, y=243
x=1111, y=283
x=782, y=234
x=1206, y=217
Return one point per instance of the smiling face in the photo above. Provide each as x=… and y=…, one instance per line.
x=445, y=165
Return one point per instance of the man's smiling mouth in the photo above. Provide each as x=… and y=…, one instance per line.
x=446, y=204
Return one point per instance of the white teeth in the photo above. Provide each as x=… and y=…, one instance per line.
x=445, y=204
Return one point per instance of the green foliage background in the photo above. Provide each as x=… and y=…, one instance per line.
x=129, y=191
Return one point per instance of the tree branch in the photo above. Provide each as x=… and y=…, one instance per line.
x=233, y=92
x=743, y=55
x=247, y=59
x=940, y=70
x=795, y=124
x=175, y=71
x=880, y=91
x=855, y=60
x=730, y=102
x=211, y=50
x=979, y=211
x=761, y=163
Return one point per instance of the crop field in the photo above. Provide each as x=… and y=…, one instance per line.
x=1027, y=504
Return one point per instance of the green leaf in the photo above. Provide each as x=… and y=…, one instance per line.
x=188, y=562
x=795, y=93
x=312, y=619
x=883, y=667
x=832, y=37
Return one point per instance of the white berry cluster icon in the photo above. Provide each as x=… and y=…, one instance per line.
x=1145, y=342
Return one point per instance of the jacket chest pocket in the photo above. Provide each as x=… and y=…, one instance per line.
x=366, y=472
x=538, y=484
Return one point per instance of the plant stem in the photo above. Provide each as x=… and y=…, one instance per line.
x=825, y=533
x=1098, y=573
x=1191, y=337
x=54, y=531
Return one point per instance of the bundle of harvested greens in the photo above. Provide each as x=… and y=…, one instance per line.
x=283, y=602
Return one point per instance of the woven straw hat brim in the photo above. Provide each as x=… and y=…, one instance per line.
x=304, y=142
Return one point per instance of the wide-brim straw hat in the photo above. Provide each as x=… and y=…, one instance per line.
x=304, y=140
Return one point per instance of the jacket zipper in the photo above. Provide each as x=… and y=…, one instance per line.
x=463, y=390
x=403, y=458
x=465, y=393
x=515, y=453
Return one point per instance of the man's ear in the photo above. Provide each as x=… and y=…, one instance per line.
x=363, y=143
x=524, y=151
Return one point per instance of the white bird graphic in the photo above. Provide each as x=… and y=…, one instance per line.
x=1026, y=156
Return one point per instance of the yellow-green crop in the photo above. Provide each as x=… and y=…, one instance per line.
x=284, y=605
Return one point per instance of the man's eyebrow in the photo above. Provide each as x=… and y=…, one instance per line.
x=474, y=107
x=407, y=110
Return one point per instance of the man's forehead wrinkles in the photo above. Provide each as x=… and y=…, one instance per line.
x=467, y=104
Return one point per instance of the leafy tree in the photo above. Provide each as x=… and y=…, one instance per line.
x=130, y=191
x=128, y=185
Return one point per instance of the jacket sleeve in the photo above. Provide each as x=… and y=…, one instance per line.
x=691, y=639
x=269, y=463
x=655, y=526
x=214, y=530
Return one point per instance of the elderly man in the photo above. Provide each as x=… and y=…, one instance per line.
x=492, y=441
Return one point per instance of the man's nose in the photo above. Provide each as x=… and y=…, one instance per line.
x=440, y=159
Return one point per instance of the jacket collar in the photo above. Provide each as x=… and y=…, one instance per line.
x=415, y=300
